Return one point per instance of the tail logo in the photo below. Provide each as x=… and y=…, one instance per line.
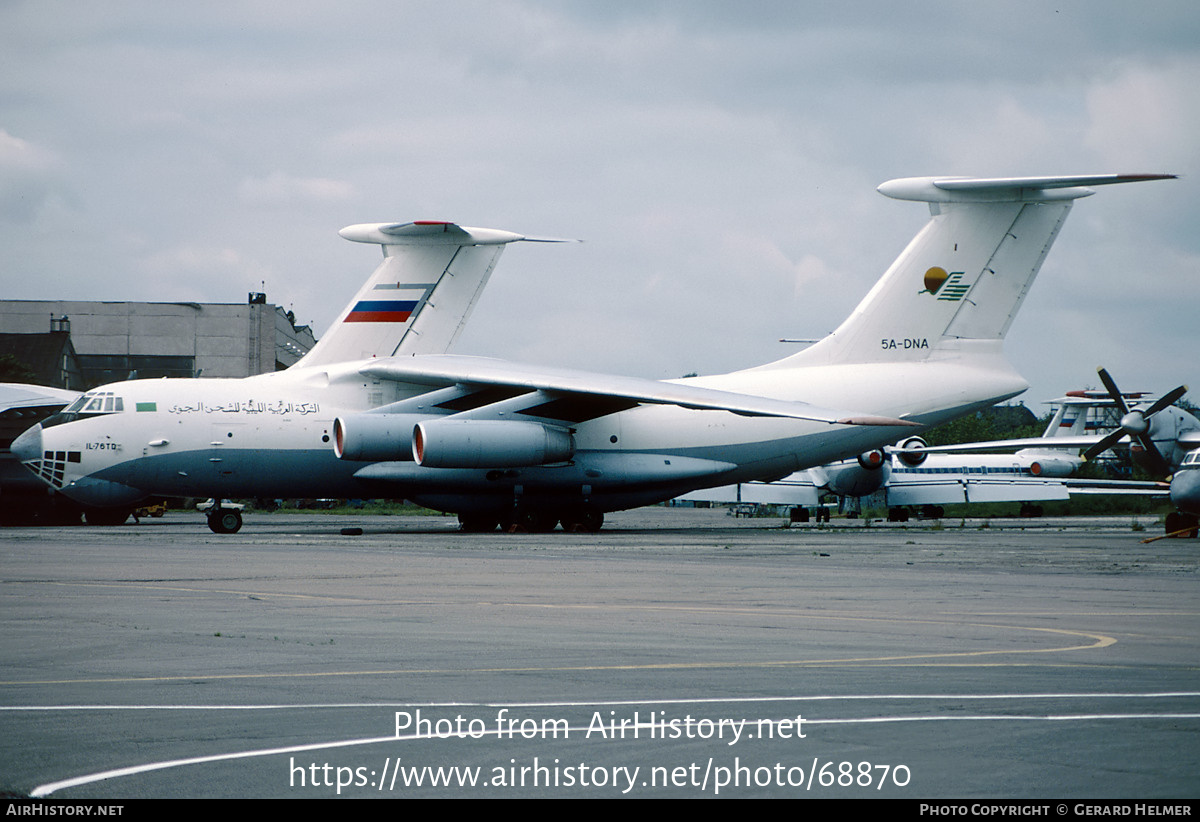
x=949, y=284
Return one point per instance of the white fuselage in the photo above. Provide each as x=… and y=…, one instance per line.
x=271, y=436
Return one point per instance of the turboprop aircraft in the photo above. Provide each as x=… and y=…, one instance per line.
x=1185, y=496
x=525, y=446
x=1164, y=439
x=911, y=477
x=1160, y=434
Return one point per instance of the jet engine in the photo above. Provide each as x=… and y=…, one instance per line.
x=907, y=455
x=489, y=444
x=858, y=478
x=374, y=437
x=1051, y=467
x=872, y=460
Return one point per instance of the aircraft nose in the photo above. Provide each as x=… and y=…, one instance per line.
x=1185, y=491
x=28, y=446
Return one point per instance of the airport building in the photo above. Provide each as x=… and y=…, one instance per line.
x=79, y=345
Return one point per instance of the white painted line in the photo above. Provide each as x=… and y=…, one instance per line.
x=605, y=703
x=49, y=788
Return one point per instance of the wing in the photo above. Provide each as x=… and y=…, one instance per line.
x=931, y=489
x=1003, y=445
x=22, y=395
x=486, y=389
x=950, y=489
x=1147, y=488
x=796, y=489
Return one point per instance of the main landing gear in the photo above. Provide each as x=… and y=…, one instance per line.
x=1182, y=525
x=533, y=521
x=106, y=516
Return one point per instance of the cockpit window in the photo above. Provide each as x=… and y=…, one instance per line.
x=91, y=404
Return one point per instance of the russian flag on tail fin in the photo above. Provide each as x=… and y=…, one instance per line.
x=381, y=311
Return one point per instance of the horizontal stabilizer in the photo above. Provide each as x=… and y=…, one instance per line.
x=1004, y=189
x=434, y=232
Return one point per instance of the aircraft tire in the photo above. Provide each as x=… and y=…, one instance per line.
x=540, y=522
x=225, y=521
x=583, y=522
x=530, y=521
x=477, y=523
x=106, y=516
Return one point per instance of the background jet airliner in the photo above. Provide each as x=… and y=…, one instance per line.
x=498, y=442
x=22, y=496
x=416, y=302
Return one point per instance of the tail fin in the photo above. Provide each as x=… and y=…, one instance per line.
x=419, y=298
x=965, y=275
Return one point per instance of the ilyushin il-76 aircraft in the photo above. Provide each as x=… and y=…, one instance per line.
x=522, y=446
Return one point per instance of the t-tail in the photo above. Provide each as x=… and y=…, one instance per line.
x=419, y=298
x=957, y=287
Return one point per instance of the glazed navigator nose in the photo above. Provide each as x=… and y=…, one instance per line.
x=28, y=446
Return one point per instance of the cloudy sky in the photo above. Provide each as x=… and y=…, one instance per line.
x=720, y=159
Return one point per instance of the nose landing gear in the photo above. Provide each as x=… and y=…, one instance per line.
x=221, y=519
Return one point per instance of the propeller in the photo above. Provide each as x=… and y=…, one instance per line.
x=1135, y=423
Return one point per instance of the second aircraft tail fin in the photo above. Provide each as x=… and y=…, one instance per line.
x=419, y=298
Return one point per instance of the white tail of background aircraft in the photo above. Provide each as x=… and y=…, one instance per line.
x=419, y=298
